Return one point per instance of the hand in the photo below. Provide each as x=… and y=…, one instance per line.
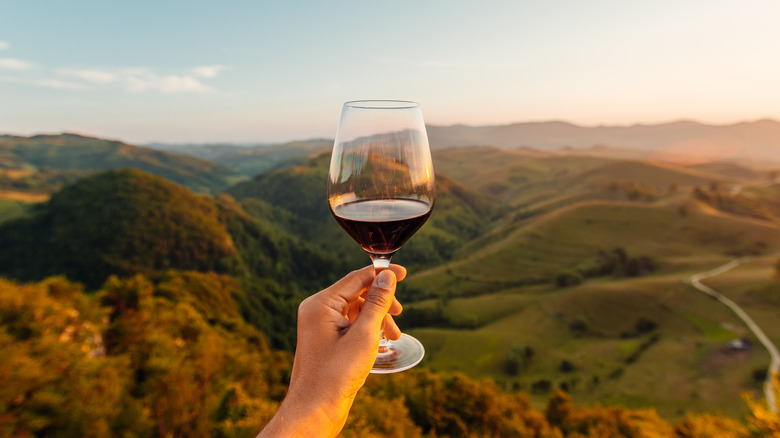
x=338, y=337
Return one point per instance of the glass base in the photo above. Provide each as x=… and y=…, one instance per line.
x=401, y=355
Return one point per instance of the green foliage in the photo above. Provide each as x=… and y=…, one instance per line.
x=616, y=263
x=11, y=209
x=126, y=222
x=568, y=278
x=146, y=358
x=129, y=362
x=517, y=358
x=117, y=222
x=645, y=325
x=566, y=366
x=578, y=326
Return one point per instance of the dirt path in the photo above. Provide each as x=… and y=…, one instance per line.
x=774, y=364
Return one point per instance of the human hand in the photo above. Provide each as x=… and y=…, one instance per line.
x=338, y=337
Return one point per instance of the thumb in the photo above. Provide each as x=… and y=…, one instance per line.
x=378, y=300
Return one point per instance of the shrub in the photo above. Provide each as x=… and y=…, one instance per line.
x=566, y=366
x=568, y=278
x=578, y=326
x=517, y=358
x=541, y=386
x=644, y=325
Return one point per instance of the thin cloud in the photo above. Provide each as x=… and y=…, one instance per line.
x=60, y=84
x=48, y=83
x=4, y=45
x=14, y=64
x=144, y=79
x=132, y=79
x=208, y=71
x=91, y=76
x=166, y=84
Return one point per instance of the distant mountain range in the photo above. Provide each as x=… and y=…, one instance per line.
x=681, y=141
x=677, y=141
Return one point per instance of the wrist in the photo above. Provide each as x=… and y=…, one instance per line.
x=301, y=415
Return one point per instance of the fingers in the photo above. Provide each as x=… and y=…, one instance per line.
x=390, y=329
x=357, y=282
x=395, y=308
x=400, y=272
x=378, y=301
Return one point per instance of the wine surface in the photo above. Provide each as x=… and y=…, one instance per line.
x=381, y=226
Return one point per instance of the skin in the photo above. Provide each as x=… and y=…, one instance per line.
x=338, y=337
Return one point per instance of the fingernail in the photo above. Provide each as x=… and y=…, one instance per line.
x=385, y=279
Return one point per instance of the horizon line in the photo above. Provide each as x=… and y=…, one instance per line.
x=436, y=125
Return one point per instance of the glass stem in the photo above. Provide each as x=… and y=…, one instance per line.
x=384, y=343
x=381, y=262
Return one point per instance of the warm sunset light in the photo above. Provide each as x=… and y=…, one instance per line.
x=404, y=219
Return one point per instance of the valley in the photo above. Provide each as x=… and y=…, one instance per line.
x=541, y=270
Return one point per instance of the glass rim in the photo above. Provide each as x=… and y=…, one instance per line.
x=381, y=104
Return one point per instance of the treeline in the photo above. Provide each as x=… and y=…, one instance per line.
x=732, y=201
x=617, y=263
x=173, y=357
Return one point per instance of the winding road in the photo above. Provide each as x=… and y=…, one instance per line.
x=774, y=365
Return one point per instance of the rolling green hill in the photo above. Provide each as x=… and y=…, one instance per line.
x=76, y=155
x=459, y=214
x=125, y=222
x=118, y=222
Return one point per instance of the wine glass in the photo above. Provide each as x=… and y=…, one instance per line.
x=381, y=191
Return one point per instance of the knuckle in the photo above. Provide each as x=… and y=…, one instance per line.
x=379, y=298
x=305, y=305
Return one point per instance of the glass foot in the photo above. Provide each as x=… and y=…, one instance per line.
x=400, y=355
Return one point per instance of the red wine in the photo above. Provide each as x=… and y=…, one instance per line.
x=381, y=226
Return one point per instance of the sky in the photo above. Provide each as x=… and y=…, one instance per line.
x=260, y=71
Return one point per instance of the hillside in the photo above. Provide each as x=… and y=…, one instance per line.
x=460, y=214
x=57, y=159
x=576, y=285
x=125, y=222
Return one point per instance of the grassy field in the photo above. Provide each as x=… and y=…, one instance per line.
x=10, y=209
x=536, y=250
x=649, y=341
x=680, y=365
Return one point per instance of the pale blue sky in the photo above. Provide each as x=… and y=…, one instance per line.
x=257, y=71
